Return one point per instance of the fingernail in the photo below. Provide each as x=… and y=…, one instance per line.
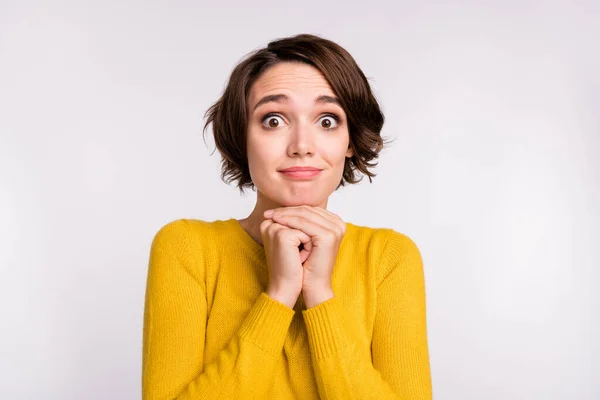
x=268, y=213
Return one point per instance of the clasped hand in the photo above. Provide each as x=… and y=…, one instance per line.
x=301, y=245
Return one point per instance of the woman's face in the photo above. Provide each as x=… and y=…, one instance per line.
x=294, y=120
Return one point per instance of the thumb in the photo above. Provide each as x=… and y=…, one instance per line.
x=306, y=249
x=304, y=255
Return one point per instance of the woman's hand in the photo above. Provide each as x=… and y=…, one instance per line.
x=325, y=231
x=284, y=261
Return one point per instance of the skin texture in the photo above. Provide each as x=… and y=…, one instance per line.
x=298, y=132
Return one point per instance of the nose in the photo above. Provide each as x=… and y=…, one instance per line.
x=302, y=140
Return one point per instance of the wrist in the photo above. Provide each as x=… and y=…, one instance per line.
x=314, y=297
x=287, y=296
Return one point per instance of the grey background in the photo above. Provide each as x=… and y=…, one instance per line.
x=495, y=175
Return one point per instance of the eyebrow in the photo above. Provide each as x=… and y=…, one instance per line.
x=282, y=98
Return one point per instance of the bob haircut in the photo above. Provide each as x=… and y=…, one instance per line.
x=229, y=114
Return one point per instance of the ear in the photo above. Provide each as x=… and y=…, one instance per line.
x=349, y=152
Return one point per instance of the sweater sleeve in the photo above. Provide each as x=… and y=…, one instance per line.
x=175, y=315
x=399, y=364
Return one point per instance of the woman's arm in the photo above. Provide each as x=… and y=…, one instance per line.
x=174, y=331
x=399, y=368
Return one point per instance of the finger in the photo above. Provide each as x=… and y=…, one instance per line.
x=264, y=226
x=323, y=213
x=315, y=220
x=308, y=212
x=307, y=224
x=332, y=217
x=294, y=236
x=304, y=254
x=303, y=237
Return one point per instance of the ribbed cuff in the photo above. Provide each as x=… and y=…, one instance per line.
x=267, y=324
x=327, y=334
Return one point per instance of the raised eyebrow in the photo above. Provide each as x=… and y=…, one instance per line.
x=282, y=98
x=328, y=99
x=275, y=98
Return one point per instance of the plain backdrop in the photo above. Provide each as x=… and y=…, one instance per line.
x=494, y=173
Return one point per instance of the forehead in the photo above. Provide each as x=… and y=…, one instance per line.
x=292, y=78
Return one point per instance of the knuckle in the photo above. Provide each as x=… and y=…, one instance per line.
x=265, y=225
x=330, y=236
x=272, y=230
x=281, y=234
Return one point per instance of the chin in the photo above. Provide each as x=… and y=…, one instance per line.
x=295, y=195
x=298, y=199
x=300, y=202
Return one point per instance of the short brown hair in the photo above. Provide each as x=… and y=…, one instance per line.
x=365, y=119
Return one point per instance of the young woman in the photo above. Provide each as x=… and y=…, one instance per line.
x=290, y=302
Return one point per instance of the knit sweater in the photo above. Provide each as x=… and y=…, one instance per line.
x=212, y=332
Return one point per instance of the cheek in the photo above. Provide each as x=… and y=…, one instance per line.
x=260, y=155
x=335, y=150
x=254, y=158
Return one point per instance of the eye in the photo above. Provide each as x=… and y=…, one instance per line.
x=327, y=119
x=271, y=120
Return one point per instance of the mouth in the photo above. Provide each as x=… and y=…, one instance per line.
x=300, y=173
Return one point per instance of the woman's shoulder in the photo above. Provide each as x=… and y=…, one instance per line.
x=194, y=242
x=190, y=228
x=388, y=245
x=379, y=235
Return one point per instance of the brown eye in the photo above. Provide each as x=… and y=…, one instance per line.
x=272, y=121
x=326, y=121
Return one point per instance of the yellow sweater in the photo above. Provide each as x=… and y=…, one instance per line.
x=211, y=331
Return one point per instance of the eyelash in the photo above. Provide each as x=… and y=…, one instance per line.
x=335, y=117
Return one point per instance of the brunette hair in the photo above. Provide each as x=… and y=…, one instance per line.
x=229, y=114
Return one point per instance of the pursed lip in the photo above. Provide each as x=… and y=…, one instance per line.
x=293, y=169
